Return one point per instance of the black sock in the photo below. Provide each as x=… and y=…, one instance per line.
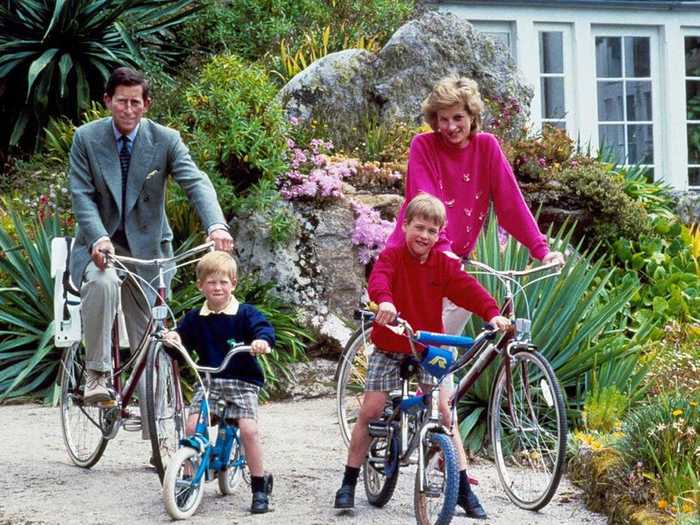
x=463, y=482
x=257, y=483
x=350, y=475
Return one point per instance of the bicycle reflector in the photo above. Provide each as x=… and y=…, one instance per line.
x=160, y=313
x=437, y=361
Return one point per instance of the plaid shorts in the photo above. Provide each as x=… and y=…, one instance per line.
x=241, y=398
x=383, y=372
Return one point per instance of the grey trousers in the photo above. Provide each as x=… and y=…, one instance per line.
x=99, y=302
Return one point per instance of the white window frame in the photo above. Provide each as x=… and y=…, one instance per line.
x=499, y=26
x=657, y=99
x=568, y=75
x=689, y=32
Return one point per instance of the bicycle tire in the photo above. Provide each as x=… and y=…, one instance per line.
x=435, y=505
x=230, y=477
x=529, y=457
x=164, y=406
x=180, y=495
x=379, y=487
x=82, y=435
x=350, y=380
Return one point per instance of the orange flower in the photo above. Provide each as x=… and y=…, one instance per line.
x=663, y=504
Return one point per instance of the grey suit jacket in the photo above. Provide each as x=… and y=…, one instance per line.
x=96, y=190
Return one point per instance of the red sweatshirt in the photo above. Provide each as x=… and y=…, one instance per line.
x=416, y=290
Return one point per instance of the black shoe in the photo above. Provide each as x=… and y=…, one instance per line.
x=470, y=503
x=261, y=503
x=345, y=497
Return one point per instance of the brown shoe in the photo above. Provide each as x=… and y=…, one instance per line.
x=96, y=389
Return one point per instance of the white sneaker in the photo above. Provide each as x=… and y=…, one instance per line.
x=96, y=388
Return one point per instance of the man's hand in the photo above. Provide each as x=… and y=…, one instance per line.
x=259, y=346
x=172, y=337
x=386, y=313
x=554, y=257
x=501, y=323
x=98, y=250
x=222, y=240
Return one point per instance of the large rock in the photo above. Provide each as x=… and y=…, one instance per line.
x=688, y=206
x=347, y=89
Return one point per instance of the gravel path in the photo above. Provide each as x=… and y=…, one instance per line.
x=303, y=449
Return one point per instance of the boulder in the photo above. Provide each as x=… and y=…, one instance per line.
x=688, y=206
x=311, y=379
x=348, y=89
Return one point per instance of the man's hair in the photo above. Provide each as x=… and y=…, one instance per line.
x=125, y=76
x=451, y=91
x=426, y=207
x=216, y=262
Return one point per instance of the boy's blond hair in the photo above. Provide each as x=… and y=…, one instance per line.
x=216, y=262
x=451, y=91
x=426, y=207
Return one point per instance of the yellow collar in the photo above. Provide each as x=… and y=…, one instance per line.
x=230, y=309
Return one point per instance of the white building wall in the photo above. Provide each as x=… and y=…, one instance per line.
x=667, y=30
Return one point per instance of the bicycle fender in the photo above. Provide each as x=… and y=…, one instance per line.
x=197, y=442
x=392, y=463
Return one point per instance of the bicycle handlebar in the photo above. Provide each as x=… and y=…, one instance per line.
x=512, y=273
x=207, y=246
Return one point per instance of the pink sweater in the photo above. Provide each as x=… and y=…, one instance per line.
x=416, y=290
x=467, y=180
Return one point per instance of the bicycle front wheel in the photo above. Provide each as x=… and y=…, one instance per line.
x=527, y=424
x=80, y=423
x=232, y=475
x=350, y=380
x=381, y=471
x=435, y=504
x=164, y=406
x=181, y=495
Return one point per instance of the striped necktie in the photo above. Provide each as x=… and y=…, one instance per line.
x=124, y=159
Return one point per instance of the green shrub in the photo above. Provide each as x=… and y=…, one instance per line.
x=674, y=361
x=55, y=56
x=234, y=125
x=603, y=409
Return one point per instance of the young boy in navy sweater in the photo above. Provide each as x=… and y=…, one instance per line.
x=413, y=279
x=209, y=331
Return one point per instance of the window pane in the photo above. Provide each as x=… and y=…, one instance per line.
x=612, y=142
x=640, y=144
x=694, y=143
x=553, y=97
x=608, y=56
x=692, y=56
x=610, y=101
x=694, y=176
x=692, y=94
x=637, y=62
x=639, y=100
x=551, y=52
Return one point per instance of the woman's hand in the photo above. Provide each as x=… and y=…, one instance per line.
x=259, y=346
x=501, y=323
x=554, y=257
x=386, y=313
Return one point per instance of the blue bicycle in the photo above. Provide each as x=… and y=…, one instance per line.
x=199, y=460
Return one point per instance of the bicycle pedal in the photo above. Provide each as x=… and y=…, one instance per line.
x=378, y=429
x=108, y=403
x=132, y=424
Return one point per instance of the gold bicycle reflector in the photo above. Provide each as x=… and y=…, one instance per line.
x=160, y=313
x=546, y=393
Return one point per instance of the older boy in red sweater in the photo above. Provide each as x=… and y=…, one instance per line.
x=413, y=279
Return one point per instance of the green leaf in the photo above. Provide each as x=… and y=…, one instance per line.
x=37, y=67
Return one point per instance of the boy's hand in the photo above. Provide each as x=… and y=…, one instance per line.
x=386, y=313
x=259, y=346
x=501, y=323
x=172, y=337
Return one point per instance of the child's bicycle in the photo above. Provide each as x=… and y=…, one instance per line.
x=88, y=428
x=198, y=459
x=410, y=423
x=526, y=417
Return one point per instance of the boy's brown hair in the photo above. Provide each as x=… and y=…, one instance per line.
x=216, y=262
x=426, y=207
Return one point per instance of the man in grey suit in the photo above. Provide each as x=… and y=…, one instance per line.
x=119, y=167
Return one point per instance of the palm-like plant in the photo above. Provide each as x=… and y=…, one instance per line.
x=578, y=323
x=55, y=55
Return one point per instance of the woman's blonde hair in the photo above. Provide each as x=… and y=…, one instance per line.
x=426, y=207
x=451, y=91
x=216, y=262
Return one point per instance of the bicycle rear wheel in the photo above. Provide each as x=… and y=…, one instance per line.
x=381, y=471
x=528, y=431
x=435, y=504
x=181, y=496
x=82, y=435
x=350, y=380
x=164, y=406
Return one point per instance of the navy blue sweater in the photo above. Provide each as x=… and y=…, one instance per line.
x=209, y=336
